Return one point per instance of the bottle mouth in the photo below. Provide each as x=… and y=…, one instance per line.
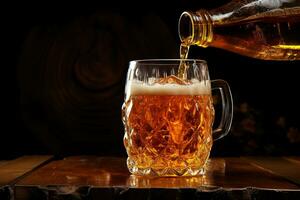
x=186, y=28
x=195, y=28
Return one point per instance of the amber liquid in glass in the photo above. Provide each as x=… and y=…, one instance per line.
x=171, y=132
x=168, y=132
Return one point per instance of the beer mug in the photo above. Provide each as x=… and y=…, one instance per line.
x=169, y=120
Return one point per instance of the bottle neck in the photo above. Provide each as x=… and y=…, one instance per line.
x=195, y=28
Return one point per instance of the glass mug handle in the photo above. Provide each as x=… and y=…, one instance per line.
x=227, y=108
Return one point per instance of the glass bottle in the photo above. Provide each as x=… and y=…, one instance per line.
x=263, y=29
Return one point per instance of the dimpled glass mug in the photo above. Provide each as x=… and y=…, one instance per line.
x=168, y=121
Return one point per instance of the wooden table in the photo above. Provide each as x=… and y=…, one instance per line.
x=90, y=177
x=12, y=171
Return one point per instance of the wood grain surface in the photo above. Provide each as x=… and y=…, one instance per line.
x=227, y=173
x=287, y=168
x=11, y=170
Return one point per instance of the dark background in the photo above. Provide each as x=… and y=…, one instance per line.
x=69, y=64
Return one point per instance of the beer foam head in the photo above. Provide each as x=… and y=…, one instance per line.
x=194, y=88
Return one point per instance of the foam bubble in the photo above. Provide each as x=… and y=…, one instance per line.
x=195, y=88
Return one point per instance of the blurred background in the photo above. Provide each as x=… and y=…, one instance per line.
x=69, y=65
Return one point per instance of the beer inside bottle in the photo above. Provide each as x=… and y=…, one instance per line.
x=262, y=29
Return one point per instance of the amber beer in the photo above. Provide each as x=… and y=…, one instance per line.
x=267, y=29
x=168, y=128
